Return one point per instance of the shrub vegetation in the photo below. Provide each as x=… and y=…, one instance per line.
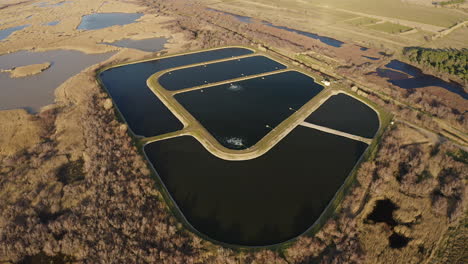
x=451, y=61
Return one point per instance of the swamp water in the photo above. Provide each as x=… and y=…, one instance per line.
x=33, y=92
x=103, y=20
x=150, y=45
x=407, y=76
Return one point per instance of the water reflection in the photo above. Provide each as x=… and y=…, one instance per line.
x=5, y=33
x=416, y=78
x=35, y=91
x=103, y=20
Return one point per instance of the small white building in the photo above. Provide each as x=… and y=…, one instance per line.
x=326, y=82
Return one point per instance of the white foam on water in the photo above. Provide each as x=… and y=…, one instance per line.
x=235, y=87
x=235, y=141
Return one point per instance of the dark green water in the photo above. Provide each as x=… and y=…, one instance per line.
x=238, y=115
x=216, y=72
x=346, y=114
x=257, y=202
x=145, y=114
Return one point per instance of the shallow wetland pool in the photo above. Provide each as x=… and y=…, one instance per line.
x=33, y=92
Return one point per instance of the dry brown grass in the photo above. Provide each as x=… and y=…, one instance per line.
x=417, y=217
x=28, y=70
x=19, y=130
x=453, y=248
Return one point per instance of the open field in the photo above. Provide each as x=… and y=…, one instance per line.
x=398, y=10
x=362, y=21
x=456, y=39
x=345, y=20
x=390, y=28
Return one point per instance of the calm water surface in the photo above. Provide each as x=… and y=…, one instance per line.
x=344, y=113
x=103, y=20
x=256, y=202
x=216, y=72
x=391, y=74
x=33, y=92
x=418, y=79
x=53, y=23
x=47, y=4
x=5, y=33
x=371, y=58
x=329, y=41
x=145, y=114
x=150, y=45
x=243, y=19
x=239, y=114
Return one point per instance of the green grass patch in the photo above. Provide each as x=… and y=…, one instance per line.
x=362, y=21
x=390, y=28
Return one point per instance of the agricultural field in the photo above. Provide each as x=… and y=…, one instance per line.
x=457, y=39
x=361, y=21
x=390, y=28
x=351, y=20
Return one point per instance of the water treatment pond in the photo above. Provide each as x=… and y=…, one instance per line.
x=210, y=73
x=344, y=113
x=416, y=78
x=145, y=114
x=33, y=92
x=256, y=202
x=239, y=114
x=150, y=45
x=103, y=20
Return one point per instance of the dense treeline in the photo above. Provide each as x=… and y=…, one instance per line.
x=450, y=2
x=451, y=61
